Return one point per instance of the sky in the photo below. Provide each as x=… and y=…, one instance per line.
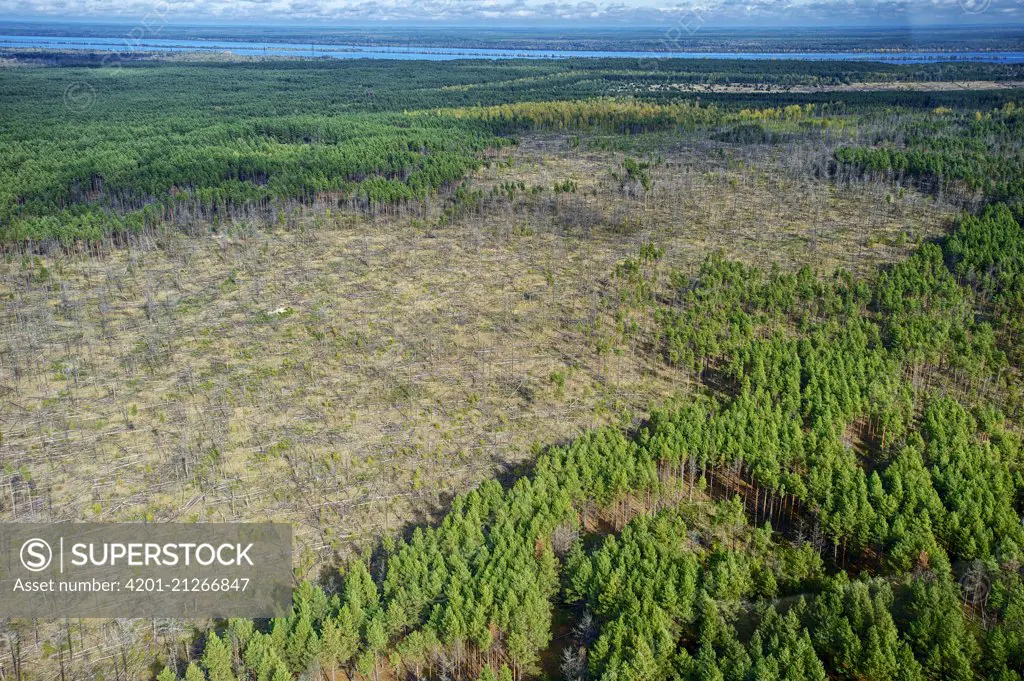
x=720, y=13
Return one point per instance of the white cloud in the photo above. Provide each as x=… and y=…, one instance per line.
x=495, y=11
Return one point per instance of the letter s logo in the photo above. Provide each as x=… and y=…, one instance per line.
x=36, y=555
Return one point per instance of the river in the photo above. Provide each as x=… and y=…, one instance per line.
x=127, y=44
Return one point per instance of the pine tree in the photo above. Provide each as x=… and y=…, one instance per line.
x=194, y=673
x=217, y=659
x=302, y=645
x=167, y=674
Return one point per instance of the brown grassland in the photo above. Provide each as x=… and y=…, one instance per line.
x=349, y=374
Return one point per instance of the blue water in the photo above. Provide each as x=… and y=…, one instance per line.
x=129, y=44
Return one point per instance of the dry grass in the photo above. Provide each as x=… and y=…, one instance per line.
x=758, y=204
x=350, y=378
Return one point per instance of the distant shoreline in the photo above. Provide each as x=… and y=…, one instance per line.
x=73, y=44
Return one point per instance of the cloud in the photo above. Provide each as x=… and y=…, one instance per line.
x=723, y=12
